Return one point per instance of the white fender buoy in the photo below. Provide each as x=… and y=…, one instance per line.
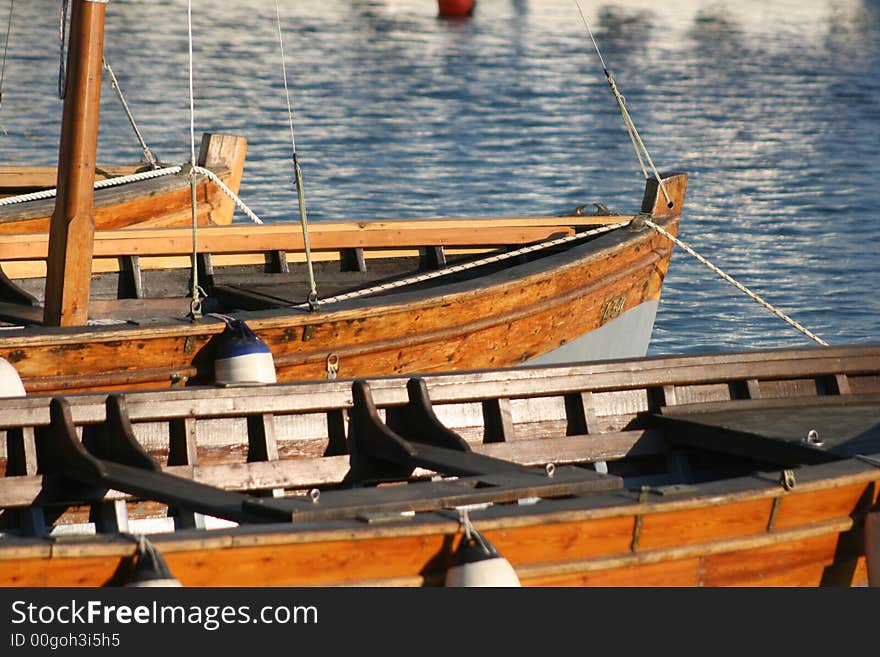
x=872, y=547
x=150, y=568
x=10, y=381
x=242, y=357
x=478, y=563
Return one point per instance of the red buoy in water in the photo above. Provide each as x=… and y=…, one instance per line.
x=456, y=8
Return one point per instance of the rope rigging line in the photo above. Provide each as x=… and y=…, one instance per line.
x=99, y=184
x=196, y=303
x=639, y=146
x=427, y=276
x=62, y=35
x=5, y=52
x=300, y=193
x=634, y=136
x=149, y=157
x=136, y=177
x=736, y=284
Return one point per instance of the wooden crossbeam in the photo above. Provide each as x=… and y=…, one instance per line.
x=239, y=238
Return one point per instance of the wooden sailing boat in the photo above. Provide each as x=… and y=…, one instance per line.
x=756, y=468
x=397, y=297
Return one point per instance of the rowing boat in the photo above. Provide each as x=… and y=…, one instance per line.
x=730, y=469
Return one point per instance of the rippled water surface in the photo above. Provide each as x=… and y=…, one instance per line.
x=773, y=108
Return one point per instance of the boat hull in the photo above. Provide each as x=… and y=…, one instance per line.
x=626, y=336
x=787, y=515
x=159, y=202
x=501, y=319
x=763, y=536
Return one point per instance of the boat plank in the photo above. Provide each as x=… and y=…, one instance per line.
x=678, y=572
x=311, y=563
x=792, y=563
x=689, y=526
x=838, y=502
x=533, y=544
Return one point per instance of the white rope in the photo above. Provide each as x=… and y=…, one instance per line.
x=736, y=284
x=427, y=276
x=225, y=189
x=99, y=184
x=136, y=177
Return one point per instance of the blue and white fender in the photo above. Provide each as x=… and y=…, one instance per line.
x=242, y=357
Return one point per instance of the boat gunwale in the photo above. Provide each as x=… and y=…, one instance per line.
x=605, y=505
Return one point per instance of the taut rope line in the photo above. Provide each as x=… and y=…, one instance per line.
x=5, y=52
x=62, y=36
x=736, y=284
x=300, y=193
x=196, y=303
x=640, y=148
x=634, y=136
x=114, y=83
x=454, y=269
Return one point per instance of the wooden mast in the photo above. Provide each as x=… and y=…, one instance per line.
x=68, y=269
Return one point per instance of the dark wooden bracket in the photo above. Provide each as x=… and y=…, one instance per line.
x=110, y=458
x=12, y=293
x=352, y=260
x=126, y=467
x=432, y=258
x=130, y=284
x=419, y=439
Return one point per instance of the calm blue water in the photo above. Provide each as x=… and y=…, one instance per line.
x=773, y=108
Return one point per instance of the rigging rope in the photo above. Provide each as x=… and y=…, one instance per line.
x=640, y=148
x=634, y=136
x=736, y=284
x=427, y=276
x=300, y=193
x=5, y=51
x=136, y=177
x=196, y=303
x=114, y=83
x=62, y=34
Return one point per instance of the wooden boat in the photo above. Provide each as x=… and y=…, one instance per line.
x=161, y=201
x=754, y=468
x=395, y=296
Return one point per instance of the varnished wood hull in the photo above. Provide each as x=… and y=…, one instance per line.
x=164, y=201
x=493, y=321
x=692, y=542
x=754, y=527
